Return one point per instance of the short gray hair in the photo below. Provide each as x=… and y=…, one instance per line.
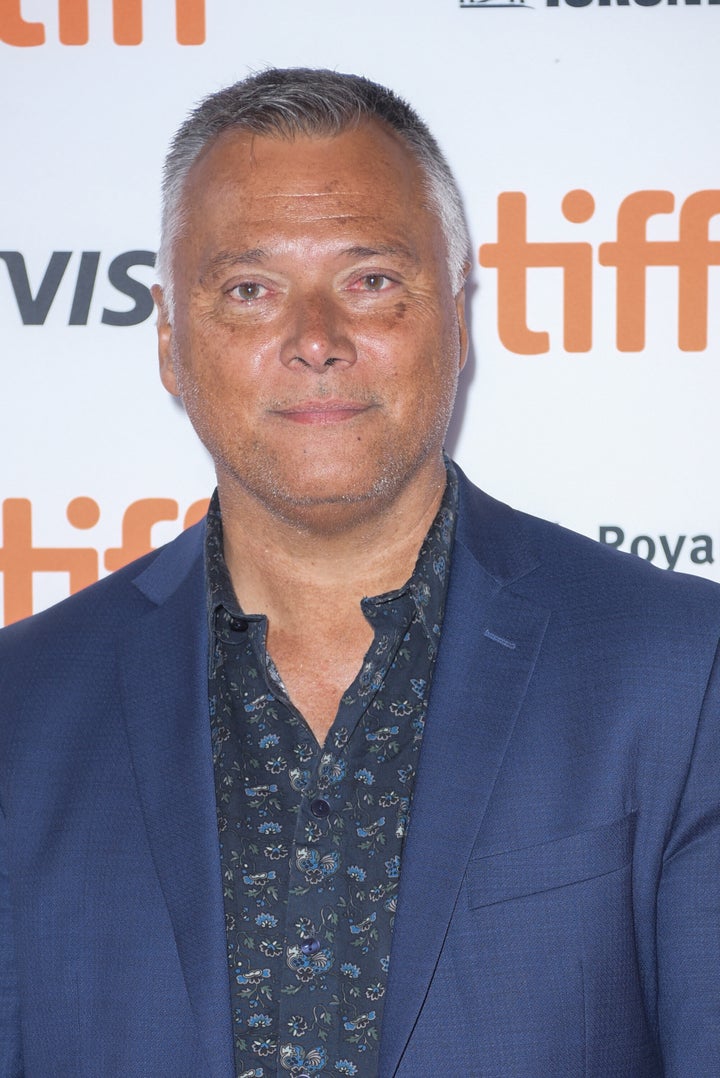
x=287, y=102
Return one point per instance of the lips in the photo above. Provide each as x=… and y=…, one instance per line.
x=322, y=412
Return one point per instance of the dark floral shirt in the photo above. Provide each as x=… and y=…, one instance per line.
x=311, y=836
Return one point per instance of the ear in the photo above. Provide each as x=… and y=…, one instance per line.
x=165, y=349
x=462, y=326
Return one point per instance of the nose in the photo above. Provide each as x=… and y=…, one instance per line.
x=317, y=334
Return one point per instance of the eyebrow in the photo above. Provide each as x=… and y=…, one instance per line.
x=253, y=256
x=256, y=256
x=393, y=250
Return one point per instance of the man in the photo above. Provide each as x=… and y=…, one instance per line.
x=462, y=764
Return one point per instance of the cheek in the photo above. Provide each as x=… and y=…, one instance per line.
x=202, y=380
x=391, y=337
x=225, y=361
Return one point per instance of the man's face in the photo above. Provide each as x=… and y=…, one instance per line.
x=315, y=340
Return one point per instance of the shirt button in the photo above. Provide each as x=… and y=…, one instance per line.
x=238, y=625
x=320, y=807
x=308, y=947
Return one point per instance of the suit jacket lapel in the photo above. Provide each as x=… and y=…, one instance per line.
x=490, y=641
x=164, y=666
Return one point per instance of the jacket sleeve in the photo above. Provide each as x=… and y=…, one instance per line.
x=688, y=927
x=10, y=1049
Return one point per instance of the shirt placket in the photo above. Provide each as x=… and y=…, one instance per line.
x=318, y=926
x=316, y=890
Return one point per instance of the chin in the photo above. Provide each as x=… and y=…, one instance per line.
x=322, y=496
x=303, y=488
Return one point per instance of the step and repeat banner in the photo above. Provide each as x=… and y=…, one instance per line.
x=584, y=137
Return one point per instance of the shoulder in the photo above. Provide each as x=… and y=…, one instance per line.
x=97, y=613
x=61, y=670
x=564, y=570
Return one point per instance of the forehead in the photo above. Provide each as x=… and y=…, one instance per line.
x=365, y=172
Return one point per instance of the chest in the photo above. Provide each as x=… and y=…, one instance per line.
x=318, y=667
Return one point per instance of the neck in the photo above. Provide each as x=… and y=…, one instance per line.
x=326, y=554
x=308, y=575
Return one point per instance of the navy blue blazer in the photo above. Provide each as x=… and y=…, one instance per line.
x=559, y=911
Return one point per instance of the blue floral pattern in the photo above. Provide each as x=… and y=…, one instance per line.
x=311, y=836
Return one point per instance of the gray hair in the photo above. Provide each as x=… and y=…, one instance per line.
x=303, y=101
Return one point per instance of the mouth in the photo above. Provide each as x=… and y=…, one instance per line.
x=322, y=412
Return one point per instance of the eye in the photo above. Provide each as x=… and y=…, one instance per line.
x=247, y=291
x=374, y=282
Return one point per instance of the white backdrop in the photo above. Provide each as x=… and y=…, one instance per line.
x=611, y=99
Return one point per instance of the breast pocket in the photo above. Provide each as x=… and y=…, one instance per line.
x=499, y=877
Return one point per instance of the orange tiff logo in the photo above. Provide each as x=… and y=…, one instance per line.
x=20, y=560
x=630, y=254
x=74, y=28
